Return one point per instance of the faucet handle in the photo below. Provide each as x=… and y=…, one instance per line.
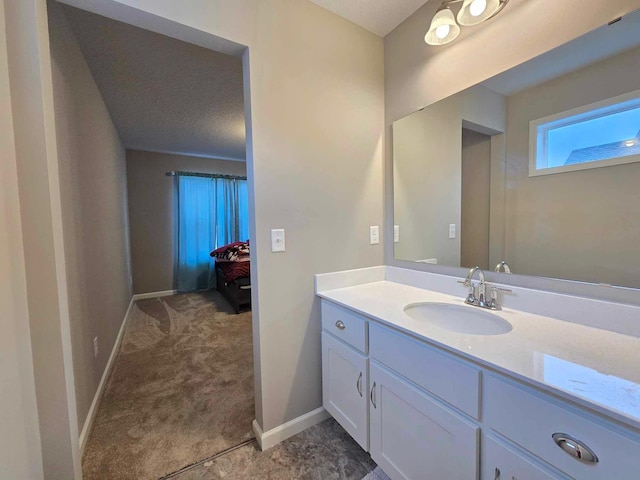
x=482, y=295
x=506, y=290
x=471, y=297
x=493, y=302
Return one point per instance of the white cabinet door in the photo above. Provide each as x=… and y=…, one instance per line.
x=500, y=462
x=415, y=437
x=345, y=386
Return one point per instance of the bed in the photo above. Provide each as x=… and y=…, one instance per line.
x=233, y=278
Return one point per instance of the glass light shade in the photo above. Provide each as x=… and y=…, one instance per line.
x=443, y=29
x=474, y=12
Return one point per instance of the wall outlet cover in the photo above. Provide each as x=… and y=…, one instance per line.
x=374, y=235
x=278, y=240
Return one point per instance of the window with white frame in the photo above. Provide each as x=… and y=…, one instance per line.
x=597, y=135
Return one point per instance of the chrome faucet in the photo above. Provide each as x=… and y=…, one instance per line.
x=471, y=298
x=503, y=266
x=478, y=297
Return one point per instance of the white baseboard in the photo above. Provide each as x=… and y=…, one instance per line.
x=164, y=293
x=88, y=423
x=276, y=435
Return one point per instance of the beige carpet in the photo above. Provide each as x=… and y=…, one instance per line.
x=181, y=389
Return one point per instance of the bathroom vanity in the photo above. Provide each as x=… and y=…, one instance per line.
x=532, y=172
x=538, y=397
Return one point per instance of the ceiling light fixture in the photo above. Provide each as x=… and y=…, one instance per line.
x=444, y=28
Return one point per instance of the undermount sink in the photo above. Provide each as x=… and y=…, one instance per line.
x=459, y=318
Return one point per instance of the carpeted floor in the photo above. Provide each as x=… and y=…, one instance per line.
x=181, y=389
x=323, y=452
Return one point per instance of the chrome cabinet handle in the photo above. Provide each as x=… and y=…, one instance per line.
x=575, y=448
x=359, y=384
x=371, y=395
x=340, y=324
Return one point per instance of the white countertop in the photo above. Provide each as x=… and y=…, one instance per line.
x=596, y=368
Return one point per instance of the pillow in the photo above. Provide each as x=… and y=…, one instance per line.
x=233, y=252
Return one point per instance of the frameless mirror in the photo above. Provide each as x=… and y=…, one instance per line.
x=538, y=167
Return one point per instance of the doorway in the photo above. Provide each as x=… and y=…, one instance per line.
x=476, y=189
x=173, y=384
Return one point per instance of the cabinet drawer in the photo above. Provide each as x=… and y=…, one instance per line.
x=530, y=419
x=346, y=325
x=444, y=376
x=502, y=462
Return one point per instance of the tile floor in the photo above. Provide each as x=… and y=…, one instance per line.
x=323, y=452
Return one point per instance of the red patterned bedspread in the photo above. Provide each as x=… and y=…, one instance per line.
x=234, y=270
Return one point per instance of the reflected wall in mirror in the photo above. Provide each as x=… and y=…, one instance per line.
x=538, y=166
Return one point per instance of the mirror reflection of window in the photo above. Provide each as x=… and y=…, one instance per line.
x=598, y=135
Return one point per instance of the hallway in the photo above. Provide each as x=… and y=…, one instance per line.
x=179, y=404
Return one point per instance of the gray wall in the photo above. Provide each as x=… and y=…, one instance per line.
x=427, y=172
x=20, y=453
x=45, y=272
x=317, y=107
x=581, y=225
x=426, y=175
x=94, y=210
x=151, y=212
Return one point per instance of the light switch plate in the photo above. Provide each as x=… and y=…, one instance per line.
x=277, y=240
x=396, y=233
x=452, y=230
x=374, y=235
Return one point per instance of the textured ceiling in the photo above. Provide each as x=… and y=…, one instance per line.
x=164, y=94
x=377, y=16
x=596, y=45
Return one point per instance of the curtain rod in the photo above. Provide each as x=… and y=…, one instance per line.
x=173, y=173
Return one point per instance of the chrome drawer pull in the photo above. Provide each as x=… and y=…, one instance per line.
x=359, y=384
x=575, y=448
x=340, y=324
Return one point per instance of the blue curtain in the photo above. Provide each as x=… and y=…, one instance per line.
x=212, y=212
